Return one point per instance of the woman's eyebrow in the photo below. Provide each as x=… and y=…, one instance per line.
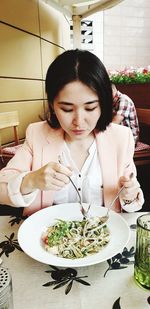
x=93, y=101
x=69, y=103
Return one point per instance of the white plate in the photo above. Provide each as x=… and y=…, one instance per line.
x=29, y=235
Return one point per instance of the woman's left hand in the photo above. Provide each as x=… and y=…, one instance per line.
x=131, y=189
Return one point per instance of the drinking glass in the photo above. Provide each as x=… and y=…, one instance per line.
x=142, y=253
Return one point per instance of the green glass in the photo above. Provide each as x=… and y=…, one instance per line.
x=142, y=253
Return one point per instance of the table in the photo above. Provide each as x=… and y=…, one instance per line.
x=105, y=287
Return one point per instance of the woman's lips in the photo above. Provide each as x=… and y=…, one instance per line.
x=78, y=132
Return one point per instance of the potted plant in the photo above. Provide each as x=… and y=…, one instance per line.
x=135, y=83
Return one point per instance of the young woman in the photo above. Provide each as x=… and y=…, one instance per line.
x=78, y=140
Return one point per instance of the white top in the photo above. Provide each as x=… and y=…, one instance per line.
x=88, y=180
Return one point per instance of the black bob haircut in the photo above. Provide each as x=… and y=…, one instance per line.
x=84, y=66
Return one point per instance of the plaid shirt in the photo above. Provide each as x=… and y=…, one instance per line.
x=124, y=106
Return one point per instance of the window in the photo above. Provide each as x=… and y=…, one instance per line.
x=86, y=34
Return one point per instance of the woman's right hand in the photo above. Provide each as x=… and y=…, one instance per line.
x=52, y=176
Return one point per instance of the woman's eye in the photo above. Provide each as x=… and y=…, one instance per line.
x=66, y=110
x=91, y=109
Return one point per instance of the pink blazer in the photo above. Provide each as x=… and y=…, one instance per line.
x=43, y=144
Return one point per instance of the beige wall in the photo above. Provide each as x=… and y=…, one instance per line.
x=32, y=34
x=127, y=35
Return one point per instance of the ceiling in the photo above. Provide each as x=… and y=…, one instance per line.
x=82, y=8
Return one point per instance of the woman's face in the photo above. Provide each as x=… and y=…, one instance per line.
x=77, y=109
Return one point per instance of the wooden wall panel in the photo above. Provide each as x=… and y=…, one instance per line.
x=53, y=26
x=48, y=52
x=32, y=34
x=56, y=29
x=19, y=53
x=28, y=112
x=20, y=89
x=49, y=23
x=20, y=13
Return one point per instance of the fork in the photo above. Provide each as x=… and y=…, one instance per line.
x=83, y=211
x=106, y=217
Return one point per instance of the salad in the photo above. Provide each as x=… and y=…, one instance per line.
x=76, y=239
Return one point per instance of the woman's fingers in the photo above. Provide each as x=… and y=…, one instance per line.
x=131, y=187
x=52, y=176
x=128, y=180
x=60, y=174
x=58, y=178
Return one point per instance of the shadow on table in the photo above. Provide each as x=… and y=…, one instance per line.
x=10, y=211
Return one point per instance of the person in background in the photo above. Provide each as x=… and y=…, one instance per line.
x=124, y=112
x=78, y=140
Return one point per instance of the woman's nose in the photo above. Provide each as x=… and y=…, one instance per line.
x=78, y=118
